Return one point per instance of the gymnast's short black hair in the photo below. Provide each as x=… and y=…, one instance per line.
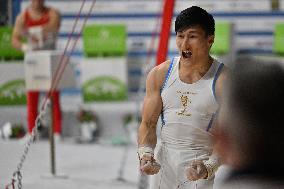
x=195, y=16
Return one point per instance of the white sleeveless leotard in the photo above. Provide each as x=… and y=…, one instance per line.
x=188, y=111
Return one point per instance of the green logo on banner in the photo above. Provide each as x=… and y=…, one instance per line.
x=6, y=50
x=278, y=46
x=104, y=88
x=104, y=40
x=222, y=41
x=13, y=93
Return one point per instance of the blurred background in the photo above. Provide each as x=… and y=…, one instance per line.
x=115, y=50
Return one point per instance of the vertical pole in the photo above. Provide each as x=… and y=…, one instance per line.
x=51, y=139
x=165, y=31
x=53, y=174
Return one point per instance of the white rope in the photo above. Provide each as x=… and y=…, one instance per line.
x=17, y=176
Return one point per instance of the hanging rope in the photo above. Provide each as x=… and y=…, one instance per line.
x=62, y=58
x=147, y=66
x=57, y=79
x=17, y=176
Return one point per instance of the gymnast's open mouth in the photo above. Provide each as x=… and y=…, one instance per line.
x=186, y=54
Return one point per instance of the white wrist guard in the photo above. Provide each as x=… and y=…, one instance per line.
x=211, y=165
x=145, y=150
x=37, y=32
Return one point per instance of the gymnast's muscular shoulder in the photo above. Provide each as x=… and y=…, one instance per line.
x=157, y=75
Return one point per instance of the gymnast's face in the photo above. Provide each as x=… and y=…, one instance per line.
x=193, y=44
x=37, y=4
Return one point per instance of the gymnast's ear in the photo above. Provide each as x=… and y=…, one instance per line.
x=210, y=40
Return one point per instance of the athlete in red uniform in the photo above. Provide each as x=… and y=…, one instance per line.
x=39, y=24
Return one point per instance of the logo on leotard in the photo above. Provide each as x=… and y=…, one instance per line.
x=185, y=101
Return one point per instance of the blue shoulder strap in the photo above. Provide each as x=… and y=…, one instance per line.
x=211, y=120
x=168, y=74
x=163, y=86
x=217, y=74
